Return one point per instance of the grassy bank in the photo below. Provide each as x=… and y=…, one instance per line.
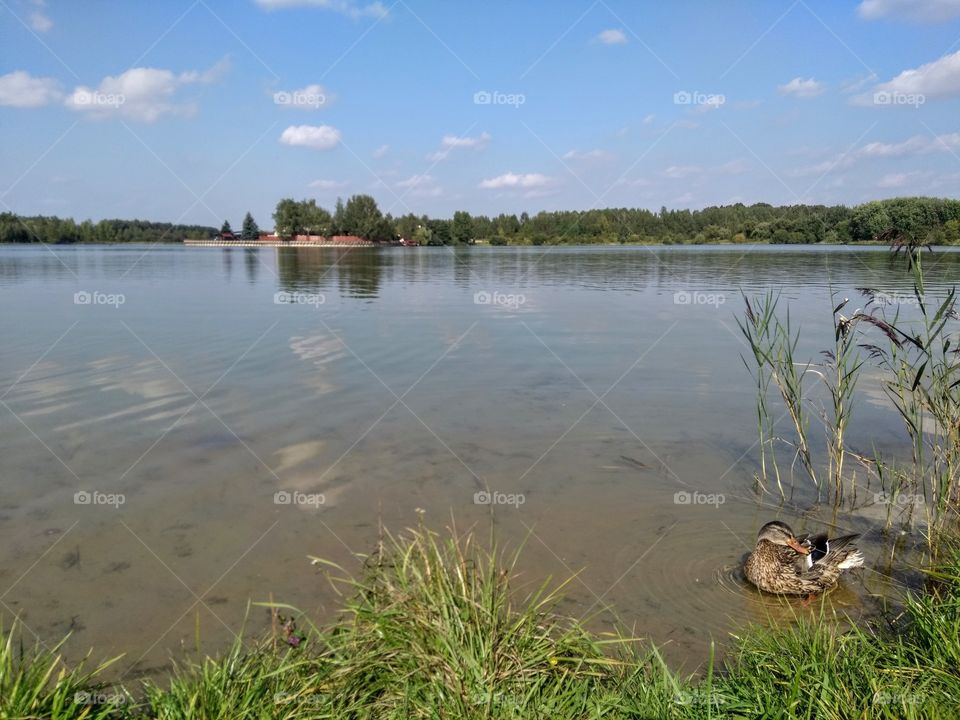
x=441, y=628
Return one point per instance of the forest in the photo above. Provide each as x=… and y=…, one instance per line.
x=926, y=220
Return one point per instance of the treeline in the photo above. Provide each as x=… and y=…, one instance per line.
x=931, y=220
x=53, y=230
x=925, y=219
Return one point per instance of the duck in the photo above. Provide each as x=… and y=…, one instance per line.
x=784, y=564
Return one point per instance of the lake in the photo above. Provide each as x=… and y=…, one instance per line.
x=182, y=427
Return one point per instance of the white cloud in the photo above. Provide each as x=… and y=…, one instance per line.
x=311, y=97
x=923, y=11
x=380, y=152
x=415, y=181
x=612, y=37
x=328, y=184
x=937, y=79
x=681, y=171
x=638, y=182
x=586, y=155
x=734, y=167
x=916, y=145
x=421, y=185
x=40, y=22
x=453, y=142
x=318, y=137
x=798, y=87
x=20, y=89
x=511, y=180
x=896, y=180
x=855, y=84
x=648, y=119
x=142, y=94
x=344, y=7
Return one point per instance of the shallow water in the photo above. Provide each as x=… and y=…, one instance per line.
x=383, y=381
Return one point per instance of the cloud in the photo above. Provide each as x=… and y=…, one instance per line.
x=40, y=22
x=937, y=79
x=855, y=84
x=896, y=180
x=678, y=172
x=380, y=152
x=638, y=182
x=648, y=119
x=612, y=37
x=916, y=145
x=421, y=185
x=734, y=167
x=920, y=11
x=318, y=137
x=142, y=94
x=311, y=97
x=344, y=7
x=798, y=87
x=328, y=184
x=20, y=89
x=586, y=156
x=453, y=142
x=511, y=180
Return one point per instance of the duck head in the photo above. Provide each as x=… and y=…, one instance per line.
x=780, y=533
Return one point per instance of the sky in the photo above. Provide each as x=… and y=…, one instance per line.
x=197, y=111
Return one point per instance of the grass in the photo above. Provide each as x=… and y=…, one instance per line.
x=438, y=627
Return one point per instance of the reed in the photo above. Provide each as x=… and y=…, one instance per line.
x=773, y=343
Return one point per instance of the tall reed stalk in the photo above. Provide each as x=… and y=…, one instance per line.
x=773, y=343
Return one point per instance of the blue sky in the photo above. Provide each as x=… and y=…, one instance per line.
x=196, y=111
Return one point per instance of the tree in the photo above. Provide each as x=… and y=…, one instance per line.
x=249, y=231
x=406, y=226
x=422, y=235
x=363, y=218
x=338, y=218
x=286, y=218
x=461, y=230
x=225, y=228
x=316, y=220
x=439, y=232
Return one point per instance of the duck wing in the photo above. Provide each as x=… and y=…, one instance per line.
x=837, y=555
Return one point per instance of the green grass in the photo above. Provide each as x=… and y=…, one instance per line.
x=439, y=628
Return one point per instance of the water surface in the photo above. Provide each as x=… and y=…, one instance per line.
x=596, y=383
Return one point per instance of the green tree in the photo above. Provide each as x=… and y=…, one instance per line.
x=406, y=226
x=225, y=228
x=363, y=218
x=461, y=229
x=339, y=220
x=249, y=230
x=316, y=220
x=287, y=218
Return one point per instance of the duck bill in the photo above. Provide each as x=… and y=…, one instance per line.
x=792, y=542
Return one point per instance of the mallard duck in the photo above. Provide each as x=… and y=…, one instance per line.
x=785, y=564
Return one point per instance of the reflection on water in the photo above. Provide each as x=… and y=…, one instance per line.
x=355, y=272
x=610, y=388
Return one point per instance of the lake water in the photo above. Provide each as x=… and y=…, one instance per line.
x=582, y=388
